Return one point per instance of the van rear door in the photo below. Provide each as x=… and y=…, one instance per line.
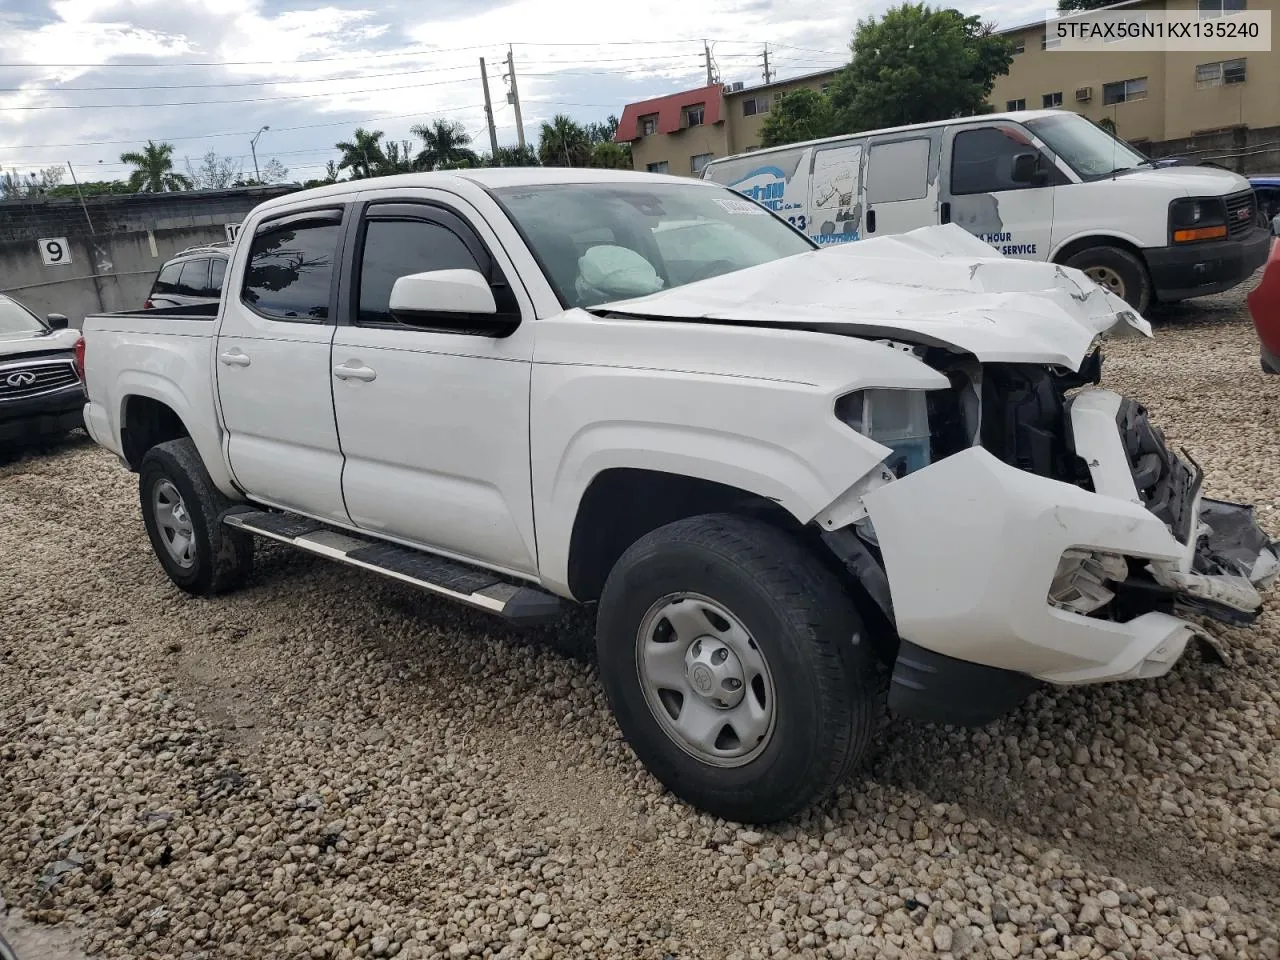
x=902, y=185
x=999, y=184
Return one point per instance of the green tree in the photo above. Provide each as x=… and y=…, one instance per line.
x=610, y=156
x=800, y=115
x=445, y=145
x=602, y=132
x=91, y=188
x=361, y=153
x=916, y=64
x=153, y=169
x=564, y=143
x=397, y=157
x=1066, y=6
x=331, y=172
x=1107, y=124
x=524, y=156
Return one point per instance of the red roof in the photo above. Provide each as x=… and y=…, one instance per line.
x=669, y=110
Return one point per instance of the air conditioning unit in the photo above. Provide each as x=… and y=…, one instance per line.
x=1084, y=94
x=735, y=86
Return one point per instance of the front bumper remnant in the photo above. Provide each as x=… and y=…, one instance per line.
x=971, y=546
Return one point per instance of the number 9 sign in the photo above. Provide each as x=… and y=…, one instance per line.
x=55, y=251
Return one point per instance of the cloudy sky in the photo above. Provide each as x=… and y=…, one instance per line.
x=84, y=80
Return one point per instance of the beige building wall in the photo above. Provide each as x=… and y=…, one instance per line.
x=1176, y=104
x=744, y=130
x=679, y=148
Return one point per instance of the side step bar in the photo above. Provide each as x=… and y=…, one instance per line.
x=524, y=605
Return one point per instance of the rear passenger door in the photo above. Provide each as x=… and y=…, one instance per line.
x=902, y=185
x=1014, y=216
x=434, y=423
x=272, y=363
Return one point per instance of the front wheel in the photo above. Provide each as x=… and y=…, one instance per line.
x=181, y=509
x=1116, y=270
x=737, y=667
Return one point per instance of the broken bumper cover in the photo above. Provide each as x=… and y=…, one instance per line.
x=971, y=546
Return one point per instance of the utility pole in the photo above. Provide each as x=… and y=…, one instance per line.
x=488, y=109
x=513, y=97
x=768, y=76
x=81, y=196
x=711, y=77
x=253, y=147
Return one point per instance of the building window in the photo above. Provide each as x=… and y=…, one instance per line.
x=753, y=105
x=1123, y=91
x=1020, y=45
x=1012, y=105
x=1219, y=8
x=825, y=87
x=1048, y=43
x=693, y=115
x=777, y=97
x=659, y=166
x=698, y=161
x=1051, y=100
x=1223, y=71
x=649, y=125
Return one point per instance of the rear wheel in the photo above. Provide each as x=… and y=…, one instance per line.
x=1270, y=362
x=181, y=509
x=736, y=666
x=1117, y=270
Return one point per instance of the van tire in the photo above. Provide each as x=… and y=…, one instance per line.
x=797, y=618
x=219, y=559
x=1270, y=362
x=1119, y=271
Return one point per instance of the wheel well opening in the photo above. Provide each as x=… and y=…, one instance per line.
x=146, y=423
x=1085, y=243
x=623, y=504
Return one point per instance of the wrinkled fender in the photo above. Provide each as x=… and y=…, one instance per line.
x=196, y=414
x=614, y=402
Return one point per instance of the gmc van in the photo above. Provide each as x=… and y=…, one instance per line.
x=1036, y=184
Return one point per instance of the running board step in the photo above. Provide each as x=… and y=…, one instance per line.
x=473, y=586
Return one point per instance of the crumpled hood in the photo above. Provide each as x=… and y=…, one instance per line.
x=934, y=285
x=15, y=345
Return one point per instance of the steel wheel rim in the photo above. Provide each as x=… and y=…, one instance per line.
x=177, y=533
x=1107, y=278
x=705, y=680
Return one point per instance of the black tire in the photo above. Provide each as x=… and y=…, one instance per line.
x=222, y=558
x=1131, y=280
x=1270, y=362
x=805, y=626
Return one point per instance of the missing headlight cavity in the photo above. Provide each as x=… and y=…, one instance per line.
x=1024, y=420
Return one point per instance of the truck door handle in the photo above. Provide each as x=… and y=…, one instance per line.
x=871, y=221
x=945, y=213
x=235, y=358
x=354, y=371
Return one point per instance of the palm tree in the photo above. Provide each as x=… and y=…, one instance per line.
x=331, y=171
x=153, y=169
x=361, y=153
x=396, y=159
x=564, y=143
x=445, y=143
x=524, y=156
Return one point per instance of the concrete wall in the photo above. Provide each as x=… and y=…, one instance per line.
x=1245, y=151
x=111, y=267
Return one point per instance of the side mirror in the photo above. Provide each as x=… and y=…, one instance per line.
x=1026, y=168
x=57, y=321
x=456, y=301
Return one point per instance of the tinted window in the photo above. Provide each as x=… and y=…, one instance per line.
x=167, y=282
x=898, y=171
x=982, y=160
x=397, y=248
x=194, y=278
x=290, y=270
x=219, y=271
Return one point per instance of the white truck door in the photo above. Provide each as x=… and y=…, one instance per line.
x=434, y=422
x=999, y=184
x=272, y=364
x=900, y=193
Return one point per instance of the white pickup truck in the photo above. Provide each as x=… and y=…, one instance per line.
x=768, y=464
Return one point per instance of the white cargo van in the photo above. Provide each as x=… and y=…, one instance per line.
x=1037, y=184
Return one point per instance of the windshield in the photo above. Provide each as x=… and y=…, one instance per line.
x=611, y=241
x=17, y=321
x=1088, y=149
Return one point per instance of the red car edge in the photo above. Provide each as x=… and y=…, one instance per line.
x=1264, y=306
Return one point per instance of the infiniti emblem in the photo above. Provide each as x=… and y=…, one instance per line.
x=23, y=378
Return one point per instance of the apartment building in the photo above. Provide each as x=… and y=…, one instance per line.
x=682, y=132
x=1149, y=96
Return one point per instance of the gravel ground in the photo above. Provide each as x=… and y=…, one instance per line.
x=328, y=765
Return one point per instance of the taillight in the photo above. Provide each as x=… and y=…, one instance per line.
x=78, y=350
x=148, y=305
